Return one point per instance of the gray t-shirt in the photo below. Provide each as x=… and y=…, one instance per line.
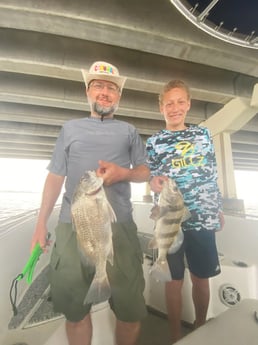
x=79, y=147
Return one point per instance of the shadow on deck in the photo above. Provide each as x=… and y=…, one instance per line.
x=155, y=329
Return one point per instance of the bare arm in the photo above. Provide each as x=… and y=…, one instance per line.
x=51, y=191
x=112, y=173
x=222, y=220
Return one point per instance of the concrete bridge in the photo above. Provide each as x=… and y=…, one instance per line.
x=44, y=44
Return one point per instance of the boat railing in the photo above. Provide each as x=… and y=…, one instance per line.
x=241, y=214
x=11, y=222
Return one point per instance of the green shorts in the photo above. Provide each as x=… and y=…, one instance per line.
x=70, y=281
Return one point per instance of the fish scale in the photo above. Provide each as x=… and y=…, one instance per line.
x=92, y=215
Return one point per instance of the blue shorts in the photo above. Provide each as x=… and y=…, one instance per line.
x=200, y=252
x=70, y=281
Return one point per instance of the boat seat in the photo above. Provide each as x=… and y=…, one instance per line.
x=236, y=326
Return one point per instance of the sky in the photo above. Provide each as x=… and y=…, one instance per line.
x=29, y=175
x=22, y=174
x=247, y=185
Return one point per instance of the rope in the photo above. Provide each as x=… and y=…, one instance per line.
x=27, y=270
x=13, y=299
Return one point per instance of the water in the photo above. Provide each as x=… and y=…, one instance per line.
x=14, y=203
x=21, y=192
x=251, y=210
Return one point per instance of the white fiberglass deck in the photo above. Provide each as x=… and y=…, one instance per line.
x=237, y=244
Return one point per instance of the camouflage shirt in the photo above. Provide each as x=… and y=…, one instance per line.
x=188, y=157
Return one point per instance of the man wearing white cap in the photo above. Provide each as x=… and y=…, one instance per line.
x=115, y=151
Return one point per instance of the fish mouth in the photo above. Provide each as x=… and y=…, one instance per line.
x=94, y=192
x=92, y=183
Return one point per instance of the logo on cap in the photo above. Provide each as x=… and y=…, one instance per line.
x=103, y=70
x=100, y=68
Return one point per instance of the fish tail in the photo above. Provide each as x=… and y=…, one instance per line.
x=160, y=271
x=99, y=291
x=177, y=243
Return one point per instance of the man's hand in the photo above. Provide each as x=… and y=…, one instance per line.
x=40, y=236
x=156, y=183
x=222, y=220
x=111, y=172
x=52, y=189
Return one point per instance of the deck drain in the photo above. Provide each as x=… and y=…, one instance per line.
x=229, y=295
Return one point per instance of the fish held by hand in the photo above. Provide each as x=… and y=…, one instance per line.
x=168, y=215
x=92, y=216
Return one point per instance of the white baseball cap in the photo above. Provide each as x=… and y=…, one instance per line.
x=102, y=70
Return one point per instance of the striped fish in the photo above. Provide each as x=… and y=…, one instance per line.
x=168, y=215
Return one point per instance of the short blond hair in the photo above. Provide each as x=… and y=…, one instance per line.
x=172, y=84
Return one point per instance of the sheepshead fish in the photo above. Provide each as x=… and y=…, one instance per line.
x=168, y=214
x=92, y=215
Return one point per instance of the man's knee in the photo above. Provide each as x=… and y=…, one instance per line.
x=84, y=323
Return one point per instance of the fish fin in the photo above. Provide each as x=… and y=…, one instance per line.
x=153, y=244
x=177, y=243
x=110, y=256
x=186, y=215
x=160, y=271
x=164, y=210
x=159, y=211
x=155, y=212
x=73, y=223
x=112, y=214
x=99, y=291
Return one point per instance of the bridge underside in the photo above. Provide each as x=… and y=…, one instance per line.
x=45, y=44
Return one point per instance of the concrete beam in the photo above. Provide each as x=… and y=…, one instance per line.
x=71, y=95
x=130, y=25
x=243, y=137
x=254, y=99
x=63, y=59
x=232, y=117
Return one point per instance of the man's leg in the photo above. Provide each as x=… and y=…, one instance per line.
x=201, y=298
x=79, y=333
x=127, y=333
x=174, y=307
x=127, y=283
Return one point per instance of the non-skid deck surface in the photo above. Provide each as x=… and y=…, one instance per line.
x=35, y=306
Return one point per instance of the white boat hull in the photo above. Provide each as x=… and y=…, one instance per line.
x=237, y=242
x=233, y=285
x=237, y=245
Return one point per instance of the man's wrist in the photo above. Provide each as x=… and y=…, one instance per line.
x=150, y=178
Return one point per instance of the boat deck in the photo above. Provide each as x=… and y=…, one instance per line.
x=36, y=319
x=155, y=330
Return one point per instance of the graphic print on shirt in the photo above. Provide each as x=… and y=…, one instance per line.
x=188, y=157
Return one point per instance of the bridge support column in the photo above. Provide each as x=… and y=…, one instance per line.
x=226, y=177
